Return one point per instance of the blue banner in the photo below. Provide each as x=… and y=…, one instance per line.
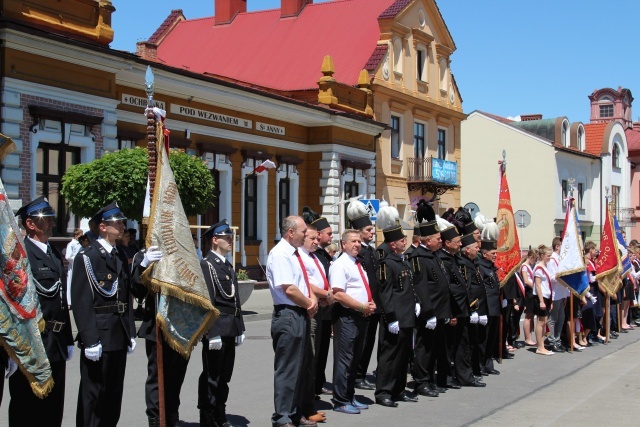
x=444, y=171
x=622, y=246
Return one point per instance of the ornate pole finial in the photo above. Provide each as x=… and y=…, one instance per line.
x=571, y=183
x=149, y=86
x=504, y=160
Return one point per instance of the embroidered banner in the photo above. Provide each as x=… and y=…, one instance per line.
x=20, y=316
x=572, y=271
x=608, y=264
x=185, y=311
x=508, y=258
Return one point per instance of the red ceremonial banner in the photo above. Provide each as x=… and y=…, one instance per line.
x=508, y=258
x=608, y=262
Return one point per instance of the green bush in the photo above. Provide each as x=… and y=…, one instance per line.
x=122, y=176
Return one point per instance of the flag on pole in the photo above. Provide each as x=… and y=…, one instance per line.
x=608, y=264
x=185, y=311
x=20, y=316
x=267, y=164
x=508, y=258
x=572, y=271
x=625, y=262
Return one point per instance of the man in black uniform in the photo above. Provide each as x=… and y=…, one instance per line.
x=50, y=277
x=219, y=344
x=415, y=242
x=101, y=300
x=458, y=332
x=488, y=333
x=468, y=265
x=431, y=284
x=359, y=217
x=174, y=365
x=399, y=310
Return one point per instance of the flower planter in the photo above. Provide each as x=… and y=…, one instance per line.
x=245, y=287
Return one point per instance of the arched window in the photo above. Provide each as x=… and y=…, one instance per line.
x=615, y=156
x=397, y=55
x=565, y=131
x=581, y=138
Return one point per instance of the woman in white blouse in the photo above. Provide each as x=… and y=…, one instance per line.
x=526, y=272
x=542, y=293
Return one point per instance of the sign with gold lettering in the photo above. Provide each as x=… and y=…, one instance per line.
x=211, y=116
x=265, y=127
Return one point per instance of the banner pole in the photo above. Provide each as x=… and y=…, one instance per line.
x=572, y=326
x=608, y=318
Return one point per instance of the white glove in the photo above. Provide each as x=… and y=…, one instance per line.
x=418, y=309
x=151, y=255
x=215, y=343
x=239, y=340
x=11, y=367
x=474, y=318
x=593, y=299
x=483, y=320
x=69, y=352
x=93, y=353
x=394, y=327
x=132, y=346
x=504, y=303
x=431, y=323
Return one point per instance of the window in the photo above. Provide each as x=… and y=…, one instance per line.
x=418, y=140
x=395, y=137
x=251, y=208
x=442, y=143
x=606, y=111
x=52, y=161
x=580, y=195
x=615, y=156
x=397, y=55
x=421, y=64
x=565, y=193
x=615, y=198
x=284, y=201
x=565, y=131
x=351, y=189
x=443, y=74
x=581, y=138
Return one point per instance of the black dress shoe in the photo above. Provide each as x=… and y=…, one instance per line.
x=484, y=373
x=453, y=386
x=364, y=385
x=426, y=391
x=387, y=402
x=558, y=348
x=406, y=397
x=507, y=355
x=437, y=388
x=519, y=344
x=478, y=377
x=476, y=383
x=492, y=371
x=305, y=422
x=614, y=334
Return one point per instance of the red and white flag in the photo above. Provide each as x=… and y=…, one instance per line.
x=267, y=164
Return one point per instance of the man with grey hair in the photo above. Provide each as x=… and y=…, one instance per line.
x=293, y=306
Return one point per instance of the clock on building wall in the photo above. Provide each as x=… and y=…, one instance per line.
x=385, y=68
x=452, y=97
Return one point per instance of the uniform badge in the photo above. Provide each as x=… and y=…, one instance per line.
x=226, y=277
x=217, y=261
x=109, y=276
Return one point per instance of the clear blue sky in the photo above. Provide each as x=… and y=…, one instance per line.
x=512, y=57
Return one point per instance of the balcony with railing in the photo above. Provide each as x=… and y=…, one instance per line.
x=626, y=216
x=431, y=175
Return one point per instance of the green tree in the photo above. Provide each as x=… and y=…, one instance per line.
x=122, y=176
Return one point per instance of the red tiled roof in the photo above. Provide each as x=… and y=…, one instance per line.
x=498, y=118
x=378, y=55
x=286, y=54
x=594, y=132
x=633, y=138
x=394, y=9
x=157, y=35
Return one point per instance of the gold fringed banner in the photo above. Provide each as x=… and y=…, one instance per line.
x=185, y=311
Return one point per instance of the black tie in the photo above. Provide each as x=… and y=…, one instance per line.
x=113, y=255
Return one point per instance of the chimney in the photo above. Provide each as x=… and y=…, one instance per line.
x=529, y=117
x=226, y=10
x=293, y=7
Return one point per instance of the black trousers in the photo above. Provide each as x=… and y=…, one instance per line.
x=367, y=346
x=289, y=331
x=394, y=351
x=26, y=409
x=100, y=391
x=349, y=329
x=515, y=325
x=474, y=348
x=462, y=352
x=430, y=351
x=309, y=396
x=488, y=342
x=322, y=354
x=213, y=384
x=175, y=368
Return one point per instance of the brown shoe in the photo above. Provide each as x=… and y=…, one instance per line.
x=305, y=422
x=318, y=418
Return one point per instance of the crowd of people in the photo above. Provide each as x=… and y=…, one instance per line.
x=435, y=307
x=440, y=313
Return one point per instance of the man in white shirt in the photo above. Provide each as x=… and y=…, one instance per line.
x=293, y=307
x=351, y=317
x=559, y=295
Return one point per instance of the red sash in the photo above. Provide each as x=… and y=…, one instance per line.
x=364, y=280
x=546, y=273
x=321, y=268
x=304, y=273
